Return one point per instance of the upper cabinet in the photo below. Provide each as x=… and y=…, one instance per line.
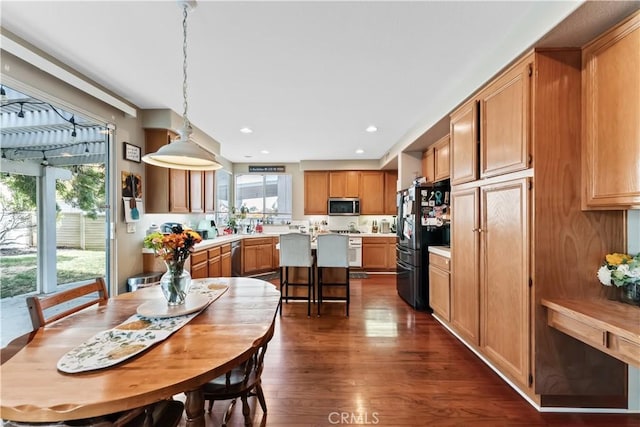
x=441, y=159
x=390, y=193
x=504, y=121
x=611, y=118
x=372, y=193
x=316, y=192
x=174, y=190
x=464, y=144
x=428, y=165
x=436, y=161
x=490, y=132
x=344, y=183
x=166, y=190
x=376, y=190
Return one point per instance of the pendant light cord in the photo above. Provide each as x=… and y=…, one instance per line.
x=187, y=124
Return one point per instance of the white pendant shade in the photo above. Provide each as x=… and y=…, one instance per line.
x=183, y=154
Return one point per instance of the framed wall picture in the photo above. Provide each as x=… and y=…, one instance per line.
x=131, y=185
x=131, y=152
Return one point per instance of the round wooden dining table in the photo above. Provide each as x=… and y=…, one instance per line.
x=223, y=335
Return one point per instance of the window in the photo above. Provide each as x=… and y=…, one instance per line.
x=53, y=190
x=267, y=197
x=223, y=196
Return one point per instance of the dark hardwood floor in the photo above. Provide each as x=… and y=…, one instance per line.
x=385, y=365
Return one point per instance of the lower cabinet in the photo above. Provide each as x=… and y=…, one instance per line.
x=439, y=290
x=490, y=274
x=379, y=253
x=199, y=264
x=214, y=262
x=211, y=262
x=257, y=255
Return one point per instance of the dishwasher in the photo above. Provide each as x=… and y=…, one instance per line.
x=236, y=258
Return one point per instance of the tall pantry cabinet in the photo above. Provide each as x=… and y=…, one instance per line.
x=518, y=232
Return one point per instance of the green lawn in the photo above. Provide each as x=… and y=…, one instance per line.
x=18, y=272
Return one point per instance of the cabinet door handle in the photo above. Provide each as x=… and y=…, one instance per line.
x=479, y=230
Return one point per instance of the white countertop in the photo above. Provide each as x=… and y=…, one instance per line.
x=227, y=238
x=444, y=251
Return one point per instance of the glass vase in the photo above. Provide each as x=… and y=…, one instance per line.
x=631, y=293
x=175, y=283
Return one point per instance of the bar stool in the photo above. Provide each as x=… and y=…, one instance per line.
x=295, y=251
x=333, y=252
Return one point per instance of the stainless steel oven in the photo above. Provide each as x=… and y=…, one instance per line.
x=343, y=206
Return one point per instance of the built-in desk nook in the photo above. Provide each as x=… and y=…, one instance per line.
x=609, y=326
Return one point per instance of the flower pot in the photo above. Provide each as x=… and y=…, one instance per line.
x=175, y=283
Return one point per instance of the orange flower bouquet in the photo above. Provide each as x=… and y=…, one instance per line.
x=174, y=249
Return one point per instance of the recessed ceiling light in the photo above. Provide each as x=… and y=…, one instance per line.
x=246, y=130
x=371, y=129
x=264, y=151
x=359, y=151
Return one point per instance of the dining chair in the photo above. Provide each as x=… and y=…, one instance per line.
x=66, y=302
x=242, y=382
x=295, y=251
x=166, y=413
x=332, y=252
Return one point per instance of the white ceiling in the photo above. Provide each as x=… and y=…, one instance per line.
x=307, y=77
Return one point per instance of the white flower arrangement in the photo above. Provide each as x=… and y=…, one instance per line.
x=620, y=270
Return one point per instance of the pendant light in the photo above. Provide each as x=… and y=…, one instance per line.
x=183, y=152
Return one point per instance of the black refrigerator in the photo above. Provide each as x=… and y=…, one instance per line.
x=421, y=210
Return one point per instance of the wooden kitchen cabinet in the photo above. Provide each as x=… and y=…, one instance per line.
x=344, y=183
x=513, y=230
x=441, y=159
x=257, y=255
x=225, y=260
x=439, y=290
x=490, y=270
x=463, y=148
x=372, y=193
x=214, y=262
x=465, y=264
x=379, y=253
x=171, y=190
x=504, y=111
x=316, y=192
x=166, y=190
x=504, y=291
x=428, y=165
x=199, y=264
x=611, y=112
x=390, y=192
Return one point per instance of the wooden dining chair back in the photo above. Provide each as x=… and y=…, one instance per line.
x=333, y=252
x=46, y=309
x=295, y=251
x=242, y=382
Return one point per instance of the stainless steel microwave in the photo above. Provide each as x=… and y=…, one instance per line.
x=344, y=206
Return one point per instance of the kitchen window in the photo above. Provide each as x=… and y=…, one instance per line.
x=265, y=196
